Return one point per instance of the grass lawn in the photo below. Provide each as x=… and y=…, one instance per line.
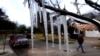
x=41, y=37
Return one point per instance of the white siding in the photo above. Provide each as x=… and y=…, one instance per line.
x=92, y=33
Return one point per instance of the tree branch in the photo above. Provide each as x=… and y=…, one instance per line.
x=64, y=12
x=52, y=3
x=58, y=4
x=93, y=4
x=97, y=1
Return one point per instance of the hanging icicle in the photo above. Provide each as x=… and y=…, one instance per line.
x=45, y=25
x=52, y=27
x=33, y=12
x=31, y=9
x=59, y=34
x=40, y=14
x=36, y=21
x=66, y=34
x=39, y=11
x=52, y=30
x=36, y=11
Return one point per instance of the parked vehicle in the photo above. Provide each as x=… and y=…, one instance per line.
x=18, y=40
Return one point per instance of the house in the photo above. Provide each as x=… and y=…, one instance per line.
x=90, y=30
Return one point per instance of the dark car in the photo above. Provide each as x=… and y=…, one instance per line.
x=18, y=40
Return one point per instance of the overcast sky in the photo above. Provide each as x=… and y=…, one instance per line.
x=17, y=12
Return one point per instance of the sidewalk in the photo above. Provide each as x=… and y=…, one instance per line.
x=8, y=51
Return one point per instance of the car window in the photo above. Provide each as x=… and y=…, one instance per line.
x=19, y=36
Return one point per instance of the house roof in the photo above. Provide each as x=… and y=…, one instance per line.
x=84, y=26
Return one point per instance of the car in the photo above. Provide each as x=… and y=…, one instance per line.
x=18, y=40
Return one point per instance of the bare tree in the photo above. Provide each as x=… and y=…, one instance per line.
x=56, y=5
x=93, y=4
x=76, y=4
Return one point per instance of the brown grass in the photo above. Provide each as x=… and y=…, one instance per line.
x=41, y=37
x=97, y=45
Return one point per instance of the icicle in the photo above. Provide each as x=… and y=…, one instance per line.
x=36, y=21
x=31, y=9
x=59, y=35
x=40, y=15
x=45, y=25
x=52, y=30
x=46, y=31
x=33, y=12
x=66, y=34
x=37, y=11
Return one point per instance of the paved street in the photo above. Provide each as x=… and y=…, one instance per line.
x=40, y=49
x=90, y=48
x=8, y=51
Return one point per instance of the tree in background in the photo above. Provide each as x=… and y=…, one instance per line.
x=5, y=23
x=22, y=28
x=6, y=26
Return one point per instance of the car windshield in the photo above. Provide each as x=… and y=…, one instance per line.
x=19, y=36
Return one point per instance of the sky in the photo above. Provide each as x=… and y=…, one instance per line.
x=19, y=13
x=16, y=11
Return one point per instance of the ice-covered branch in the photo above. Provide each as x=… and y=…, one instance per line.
x=64, y=12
